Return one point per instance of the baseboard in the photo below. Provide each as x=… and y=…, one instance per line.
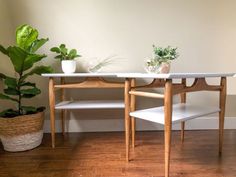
x=107, y=125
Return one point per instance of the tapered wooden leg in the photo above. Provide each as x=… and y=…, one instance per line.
x=222, y=113
x=183, y=100
x=182, y=131
x=52, y=109
x=63, y=111
x=127, y=117
x=168, y=123
x=63, y=122
x=133, y=120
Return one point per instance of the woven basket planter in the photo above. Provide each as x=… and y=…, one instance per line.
x=22, y=133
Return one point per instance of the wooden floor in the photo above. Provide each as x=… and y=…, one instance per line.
x=103, y=155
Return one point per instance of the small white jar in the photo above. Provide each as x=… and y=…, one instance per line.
x=68, y=66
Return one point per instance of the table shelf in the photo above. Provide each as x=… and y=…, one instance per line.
x=181, y=112
x=91, y=104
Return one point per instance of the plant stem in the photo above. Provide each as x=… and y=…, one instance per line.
x=19, y=96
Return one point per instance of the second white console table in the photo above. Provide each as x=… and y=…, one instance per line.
x=171, y=113
x=167, y=115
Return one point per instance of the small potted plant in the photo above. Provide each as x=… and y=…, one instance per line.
x=160, y=63
x=67, y=57
x=21, y=127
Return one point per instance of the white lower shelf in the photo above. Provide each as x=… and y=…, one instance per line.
x=181, y=112
x=91, y=104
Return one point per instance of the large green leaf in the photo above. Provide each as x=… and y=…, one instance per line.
x=38, y=70
x=55, y=49
x=11, y=91
x=59, y=57
x=63, y=49
x=9, y=113
x=37, y=44
x=29, y=109
x=10, y=82
x=62, y=46
x=32, y=91
x=6, y=97
x=17, y=56
x=29, y=93
x=27, y=84
x=31, y=59
x=25, y=36
x=72, y=53
x=3, y=50
x=22, y=60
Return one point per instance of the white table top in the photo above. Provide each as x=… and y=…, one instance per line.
x=173, y=75
x=80, y=75
x=142, y=75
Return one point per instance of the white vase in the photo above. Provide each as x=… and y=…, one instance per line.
x=68, y=66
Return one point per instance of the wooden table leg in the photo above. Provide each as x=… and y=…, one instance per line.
x=127, y=117
x=133, y=120
x=52, y=109
x=182, y=131
x=63, y=111
x=222, y=102
x=168, y=123
x=183, y=100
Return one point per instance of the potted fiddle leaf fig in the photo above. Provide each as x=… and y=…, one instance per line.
x=67, y=57
x=162, y=57
x=21, y=126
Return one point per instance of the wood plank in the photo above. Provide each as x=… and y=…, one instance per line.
x=132, y=108
x=146, y=94
x=63, y=112
x=101, y=154
x=168, y=101
x=181, y=112
x=183, y=100
x=222, y=102
x=127, y=117
x=52, y=110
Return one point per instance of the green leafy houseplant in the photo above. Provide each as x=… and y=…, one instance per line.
x=162, y=57
x=67, y=57
x=23, y=56
x=64, y=53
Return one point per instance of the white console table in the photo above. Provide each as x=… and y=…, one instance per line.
x=166, y=115
x=171, y=113
x=89, y=80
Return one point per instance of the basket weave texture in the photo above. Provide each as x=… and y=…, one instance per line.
x=20, y=125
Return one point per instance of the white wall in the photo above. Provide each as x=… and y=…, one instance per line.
x=204, y=32
x=6, y=38
x=6, y=31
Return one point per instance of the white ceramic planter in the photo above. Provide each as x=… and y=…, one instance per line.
x=68, y=66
